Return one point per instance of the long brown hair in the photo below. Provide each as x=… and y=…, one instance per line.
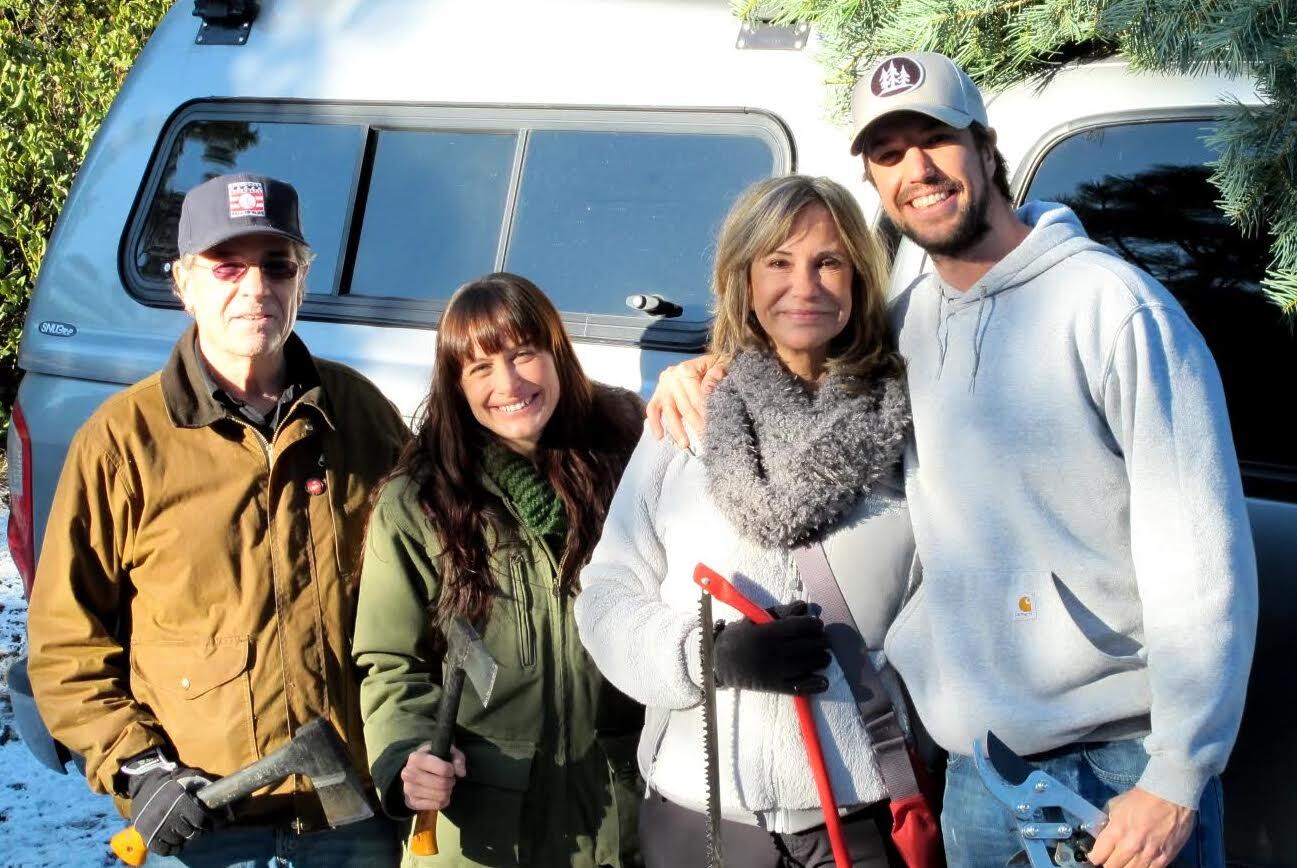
x=582, y=450
x=758, y=223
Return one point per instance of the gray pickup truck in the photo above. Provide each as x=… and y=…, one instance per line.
x=594, y=146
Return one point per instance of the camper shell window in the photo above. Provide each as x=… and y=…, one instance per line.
x=404, y=203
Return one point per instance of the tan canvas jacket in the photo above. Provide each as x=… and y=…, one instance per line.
x=197, y=582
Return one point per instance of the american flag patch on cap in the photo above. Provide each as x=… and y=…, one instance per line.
x=247, y=199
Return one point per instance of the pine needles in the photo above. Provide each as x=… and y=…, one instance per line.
x=1001, y=42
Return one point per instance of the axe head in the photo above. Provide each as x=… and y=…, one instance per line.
x=465, y=650
x=316, y=753
x=323, y=758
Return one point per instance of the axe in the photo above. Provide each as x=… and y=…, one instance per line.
x=465, y=655
x=316, y=752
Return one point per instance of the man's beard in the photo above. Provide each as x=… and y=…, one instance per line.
x=971, y=226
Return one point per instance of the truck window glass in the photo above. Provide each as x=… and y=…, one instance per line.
x=433, y=214
x=1142, y=189
x=318, y=159
x=403, y=203
x=604, y=215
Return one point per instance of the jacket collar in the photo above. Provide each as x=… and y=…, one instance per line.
x=186, y=388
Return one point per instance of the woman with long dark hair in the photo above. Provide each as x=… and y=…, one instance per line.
x=492, y=510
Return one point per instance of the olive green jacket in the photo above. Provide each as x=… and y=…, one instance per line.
x=543, y=787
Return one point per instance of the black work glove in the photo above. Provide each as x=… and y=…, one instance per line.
x=164, y=809
x=784, y=656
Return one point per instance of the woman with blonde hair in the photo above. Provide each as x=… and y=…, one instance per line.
x=492, y=510
x=802, y=447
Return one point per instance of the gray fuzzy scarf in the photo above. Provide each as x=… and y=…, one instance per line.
x=785, y=463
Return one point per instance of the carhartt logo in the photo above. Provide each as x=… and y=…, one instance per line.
x=1025, y=610
x=897, y=76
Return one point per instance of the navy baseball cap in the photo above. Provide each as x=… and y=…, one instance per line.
x=231, y=206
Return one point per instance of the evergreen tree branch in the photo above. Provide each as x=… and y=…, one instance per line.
x=1001, y=42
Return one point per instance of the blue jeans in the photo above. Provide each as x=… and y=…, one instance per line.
x=980, y=832
x=373, y=842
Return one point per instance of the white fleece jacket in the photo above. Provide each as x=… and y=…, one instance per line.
x=1088, y=566
x=638, y=617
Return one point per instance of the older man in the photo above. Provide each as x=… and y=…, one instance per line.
x=195, y=595
x=1089, y=586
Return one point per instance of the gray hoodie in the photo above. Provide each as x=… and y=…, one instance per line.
x=1088, y=565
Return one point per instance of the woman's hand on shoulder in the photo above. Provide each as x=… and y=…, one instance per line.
x=678, y=401
x=428, y=781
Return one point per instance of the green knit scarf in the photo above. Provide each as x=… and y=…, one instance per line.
x=537, y=503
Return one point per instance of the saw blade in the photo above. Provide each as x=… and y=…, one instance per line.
x=711, y=761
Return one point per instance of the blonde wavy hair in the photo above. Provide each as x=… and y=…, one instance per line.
x=756, y=225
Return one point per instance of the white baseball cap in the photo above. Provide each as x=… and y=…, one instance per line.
x=923, y=82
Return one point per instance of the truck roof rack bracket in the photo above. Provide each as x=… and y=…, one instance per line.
x=225, y=22
x=764, y=36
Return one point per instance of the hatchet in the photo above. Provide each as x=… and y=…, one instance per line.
x=465, y=655
x=316, y=753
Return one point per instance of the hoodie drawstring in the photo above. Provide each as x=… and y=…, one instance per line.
x=979, y=333
x=1055, y=235
x=945, y=311
x=943, y=332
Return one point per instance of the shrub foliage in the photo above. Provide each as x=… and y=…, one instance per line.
x=61, y=64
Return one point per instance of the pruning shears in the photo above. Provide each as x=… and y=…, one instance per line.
x=1048, y=814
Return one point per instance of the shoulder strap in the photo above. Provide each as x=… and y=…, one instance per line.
x=881, y=724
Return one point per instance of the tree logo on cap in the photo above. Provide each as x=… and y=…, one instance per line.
x=896, y=76
x=247, y=199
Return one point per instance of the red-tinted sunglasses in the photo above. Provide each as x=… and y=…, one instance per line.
x=232, y=270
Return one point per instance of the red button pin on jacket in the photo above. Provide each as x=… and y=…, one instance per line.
x=314, y=486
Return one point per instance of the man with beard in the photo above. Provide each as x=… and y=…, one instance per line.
x=1089, y=584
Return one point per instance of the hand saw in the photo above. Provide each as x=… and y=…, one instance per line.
x=713, y=584
x=711, y=760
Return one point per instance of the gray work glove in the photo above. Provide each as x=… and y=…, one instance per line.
x=164, y=809
x=784, y=656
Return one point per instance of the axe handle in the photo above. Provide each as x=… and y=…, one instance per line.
x=423, y=842
x=128, y=844
x=227, y=790
x=443, y=729
x=271, y=769
x=129, y=847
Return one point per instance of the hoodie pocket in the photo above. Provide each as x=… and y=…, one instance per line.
x=1084, y=644
x=1004, y=649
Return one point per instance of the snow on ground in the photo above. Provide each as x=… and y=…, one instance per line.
x=45, y=818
